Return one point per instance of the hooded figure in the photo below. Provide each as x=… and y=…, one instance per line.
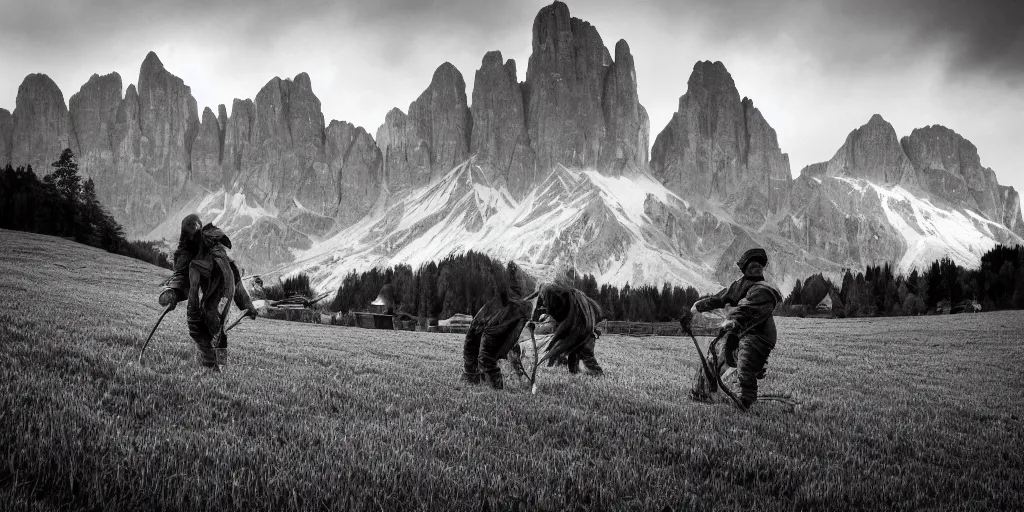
x=206, y=276
x=749, y=328
x=575, y=334
x=495, y=330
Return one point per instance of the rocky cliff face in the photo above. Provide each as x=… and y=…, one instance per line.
x=406, y=154
x=286, y=160
x=626, y=121
x=356, y=162
x=949, y=167
x=1010, y=205
x=41, y=124
x=719, y=148
x=578, y=107
x=872, y=152
x=93, y=111
x=433, y=138
x=573, y=137
x=237, y=137
x=169, y=120
x=206, y=153
x=499, y=137
x=6, y=132
x=565, y=86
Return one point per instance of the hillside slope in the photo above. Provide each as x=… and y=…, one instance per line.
x=310, y=416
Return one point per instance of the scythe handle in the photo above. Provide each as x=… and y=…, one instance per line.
x=153, y=330
x=707, y=369
x=233, y=324
x=536, y=361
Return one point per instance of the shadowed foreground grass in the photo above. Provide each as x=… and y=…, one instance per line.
x=898, y=414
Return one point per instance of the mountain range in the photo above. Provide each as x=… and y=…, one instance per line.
x=553, y=172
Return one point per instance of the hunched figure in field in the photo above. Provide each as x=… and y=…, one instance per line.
x=575, y=334
x=205, y=275
x=750, y=327
x=496, y=329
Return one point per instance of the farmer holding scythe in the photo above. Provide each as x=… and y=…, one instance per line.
x=206, y=276
x=749, y=329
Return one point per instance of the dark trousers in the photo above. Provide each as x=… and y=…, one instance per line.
x=204, y=320
x=748, y=355
x=482, y=350
x=585, y=353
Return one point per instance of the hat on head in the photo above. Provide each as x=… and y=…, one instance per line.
x=757, y=254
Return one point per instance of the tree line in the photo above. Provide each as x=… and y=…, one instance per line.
x=61, y=204
x=463, y=283
x=943, y=287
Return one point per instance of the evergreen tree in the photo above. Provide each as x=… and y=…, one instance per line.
x=65, y=176
x=794, y=297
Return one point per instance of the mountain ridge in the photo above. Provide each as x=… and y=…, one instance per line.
x=283, y=181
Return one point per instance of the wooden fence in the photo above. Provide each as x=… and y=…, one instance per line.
x=653, y=329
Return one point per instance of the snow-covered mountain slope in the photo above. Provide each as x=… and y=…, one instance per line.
x=575, y=218
x=932, y=232
x=626, y=229
x=632, y=229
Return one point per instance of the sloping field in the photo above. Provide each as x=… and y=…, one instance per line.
x=898, y=414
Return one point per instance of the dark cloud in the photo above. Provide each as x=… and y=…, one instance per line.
x=980, y=36
x=52, y=22
x=975, y=37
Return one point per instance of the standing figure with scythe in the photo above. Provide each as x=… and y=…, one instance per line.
x=748, y=329
x=206, y=276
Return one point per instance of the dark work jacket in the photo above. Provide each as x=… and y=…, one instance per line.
x=207, y=254
x=499, y=324
x=576, y=316
x=754, y=301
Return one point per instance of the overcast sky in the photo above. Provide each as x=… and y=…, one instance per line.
x=815, y=69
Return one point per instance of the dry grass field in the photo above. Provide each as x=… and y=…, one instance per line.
x=898, y=413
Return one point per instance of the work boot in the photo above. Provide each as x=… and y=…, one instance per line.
x=495, y=380
x=207, y=355
x=471, y=377
x=222, y=356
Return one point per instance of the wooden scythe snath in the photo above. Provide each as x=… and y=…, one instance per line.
x=153, y=330
x=712, y=373
x=536, y=360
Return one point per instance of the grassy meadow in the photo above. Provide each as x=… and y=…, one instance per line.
x=898, y=413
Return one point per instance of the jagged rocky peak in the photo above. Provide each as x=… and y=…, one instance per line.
x=93, y=111
x=443, y=119
x=873, y=152
x=627, y=123
x=433, y=138
x=582, y=107
x=41, y=124
x=406, y=155
x=285, y=160
x=698, y=153
x=499, y=139
x=169, y=120
x=719, y=148
x=948, y=166
x=564, y=90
